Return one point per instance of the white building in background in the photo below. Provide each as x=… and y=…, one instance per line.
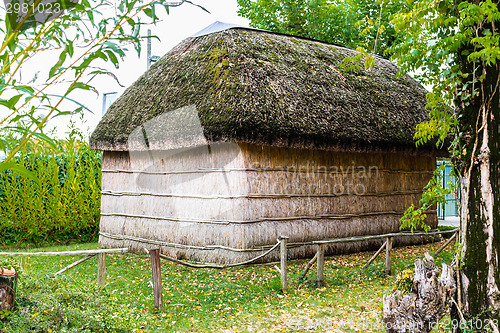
x=182, y=22
x=448, y=213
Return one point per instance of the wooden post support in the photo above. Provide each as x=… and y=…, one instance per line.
x=321, y=265
x=309, y=265
x=283, y=261
x=446, y=243
x=75, y=264
x=101, y=269
x=375, y=255
x=388, y=248
x=156, y=271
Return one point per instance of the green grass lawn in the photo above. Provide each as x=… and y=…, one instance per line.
x=245, y=299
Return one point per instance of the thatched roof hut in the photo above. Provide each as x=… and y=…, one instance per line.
x=238, y=136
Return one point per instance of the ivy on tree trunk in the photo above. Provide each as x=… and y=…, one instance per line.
x=479, y=168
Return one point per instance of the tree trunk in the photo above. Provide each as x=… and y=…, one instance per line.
x=7, y=292
x=478, y=294
x=430, y=299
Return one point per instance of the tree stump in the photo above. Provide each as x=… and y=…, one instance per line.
x=420, y=310
x=8, y=281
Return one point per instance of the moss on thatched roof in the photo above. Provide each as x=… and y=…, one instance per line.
x=259, y=87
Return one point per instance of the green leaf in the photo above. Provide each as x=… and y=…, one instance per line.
x=415, y=52
x=11, y=102
x=149, y=12
x=58, y=64
x=197, y=5
x=26, y=89
x=369, y=62
x=81, y=85
x=80, y=105
x=38, y=135
x=113, y=58
x=113, y=46
x=69, y=48
x=17, y=169
x=4, y=144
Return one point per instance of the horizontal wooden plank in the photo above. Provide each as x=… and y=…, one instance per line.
x=395, y=234
x=63, y=253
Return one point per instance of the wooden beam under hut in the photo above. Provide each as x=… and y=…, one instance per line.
x=63, y=253
x=76, y=263
x=375, y=255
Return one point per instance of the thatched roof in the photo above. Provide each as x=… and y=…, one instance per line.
x=243, y=85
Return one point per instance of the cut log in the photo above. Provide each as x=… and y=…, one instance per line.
x=430, y=299
x=7, y=292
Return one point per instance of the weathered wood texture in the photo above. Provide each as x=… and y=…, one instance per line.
x=430, y=299
x=309, y=265
x=63, y=253
x=243, y=196
x=7, y=292
x=479, y=169
x=78, y=262
x=375, y=255
x=101, y=269
x=321, y=266
x=283, y=262
x=446, y=244
x=156, y=276
x=388, y=248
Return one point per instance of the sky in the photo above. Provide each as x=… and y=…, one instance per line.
x=182, y=22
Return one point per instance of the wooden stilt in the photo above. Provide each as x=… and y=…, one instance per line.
x=321, y=265
x=156, y=273
x=101, y=269
x=388, y=248
x=283, y=262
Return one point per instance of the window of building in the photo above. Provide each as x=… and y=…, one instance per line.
x=107, y=100
x=450, y=209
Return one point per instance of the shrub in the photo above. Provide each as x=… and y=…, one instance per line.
x=51, y=307
x=60, y=202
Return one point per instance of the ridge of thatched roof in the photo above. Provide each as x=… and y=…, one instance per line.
x=243, y=85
